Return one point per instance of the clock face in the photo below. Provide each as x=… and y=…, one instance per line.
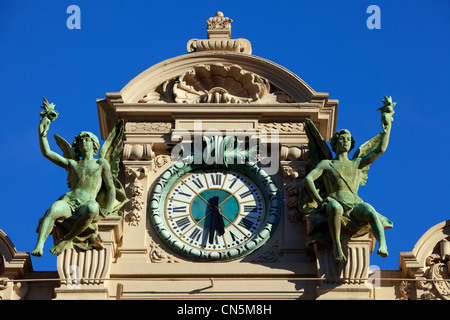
x=212, y=215
x=215, y=210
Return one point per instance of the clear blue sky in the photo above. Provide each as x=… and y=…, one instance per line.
x=326, y=43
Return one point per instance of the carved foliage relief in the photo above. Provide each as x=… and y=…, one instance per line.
x=436, y=276
x=217, y=83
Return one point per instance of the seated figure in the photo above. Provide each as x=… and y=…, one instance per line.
x=331, y=200
x=94, y=188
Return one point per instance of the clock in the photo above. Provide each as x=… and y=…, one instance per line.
x=214, y=214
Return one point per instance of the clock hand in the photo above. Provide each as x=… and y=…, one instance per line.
x=216, y=220
x=195, y=192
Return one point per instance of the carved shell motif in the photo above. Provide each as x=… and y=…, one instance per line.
x=217, y=83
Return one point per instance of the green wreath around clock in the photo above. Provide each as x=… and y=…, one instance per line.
x=214, y=212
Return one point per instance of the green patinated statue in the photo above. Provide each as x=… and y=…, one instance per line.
x=94, y=188
x=330, y=195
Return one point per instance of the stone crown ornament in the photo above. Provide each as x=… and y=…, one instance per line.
x=219, y=37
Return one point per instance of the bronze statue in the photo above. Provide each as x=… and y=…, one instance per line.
x=95, y=190
x=331, y=202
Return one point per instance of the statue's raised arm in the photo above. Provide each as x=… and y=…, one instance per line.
x=375, y=147
x=48, y=115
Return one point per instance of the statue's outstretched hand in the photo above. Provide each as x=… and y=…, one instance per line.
x=48, y=114
x=44, y=124
x=386, y=121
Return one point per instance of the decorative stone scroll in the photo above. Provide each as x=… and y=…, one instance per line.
x=217, y=83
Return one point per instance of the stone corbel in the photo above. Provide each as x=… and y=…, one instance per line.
x=138, y=152
x=294, y=153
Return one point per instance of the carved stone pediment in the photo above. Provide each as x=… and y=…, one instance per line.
x=429, y=265
x=216, y=83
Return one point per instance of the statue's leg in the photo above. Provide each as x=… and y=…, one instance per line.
x=365, y=212
x=59, y=210
x=334, y=212
x=86, y=212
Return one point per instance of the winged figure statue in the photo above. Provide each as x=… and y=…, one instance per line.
x=95, y=190
x=329, y=197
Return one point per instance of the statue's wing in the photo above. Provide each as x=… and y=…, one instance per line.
x=112, y=151
x=318, y=148
x=66, y=148
x=318, y=151
x=365, y=149
x=113, y=147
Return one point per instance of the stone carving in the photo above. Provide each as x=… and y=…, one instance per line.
x=136, y=191
x=95, y=189
x=334, y=209
x=138, y=151
x=436, y=276
x=268, y=255
x=405, y=290
x=157, y=255
x=219, y=23
x=148, y=126
x=292, y=186
x=217, y=83
x=233, y=45
x=290, y=127
x=160, y=161
x=219, y=33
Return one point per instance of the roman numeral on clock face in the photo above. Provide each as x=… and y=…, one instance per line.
x=198, y=183
x=216, y=179
x=183, y=223
x=245, y=194
x=246, y=223
x=195, y=234
x=179, y=209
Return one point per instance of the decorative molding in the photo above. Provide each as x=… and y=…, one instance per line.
x=136, y=191
x=234, y=45
x=270, y=254
x=157, y=255
x=282, y=127
x=146, y=127
x=405, y=290
x=436, y=276
x=292, y=186
x=160, y=161
x=216, y=83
